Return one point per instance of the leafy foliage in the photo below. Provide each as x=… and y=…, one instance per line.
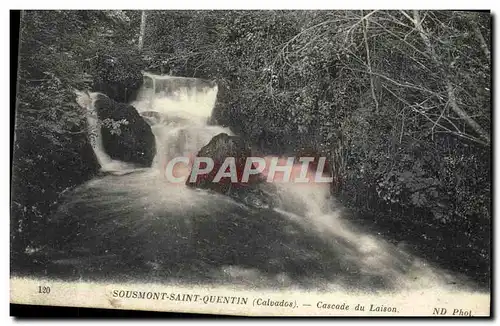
x=61, y=51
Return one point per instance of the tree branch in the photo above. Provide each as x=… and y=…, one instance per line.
x=480, y=37
x=143, y=30
x=400, y=84
x=449, y=87
x=435, y=123
x=368, y=63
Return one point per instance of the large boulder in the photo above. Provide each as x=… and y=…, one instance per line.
x=255, y=192
x=131, y=141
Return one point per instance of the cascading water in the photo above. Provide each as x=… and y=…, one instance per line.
x=191, y=234
x=178, y=109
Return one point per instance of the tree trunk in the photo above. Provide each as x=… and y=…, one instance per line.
x=479, y=36
x=449, y=87
x=143, y=30
x=364, y=23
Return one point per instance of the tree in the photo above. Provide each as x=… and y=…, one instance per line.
x=143, y=30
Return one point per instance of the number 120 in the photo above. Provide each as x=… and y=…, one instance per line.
x=44, y=289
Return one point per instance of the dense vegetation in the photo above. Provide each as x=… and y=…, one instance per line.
x=399, y=102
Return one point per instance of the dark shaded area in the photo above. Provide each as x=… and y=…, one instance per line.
x=29, y=312
x=117, y=74
x=95, y=240
x=60, y=51
x=453, y=248
x=133, y=141
x=37, y=184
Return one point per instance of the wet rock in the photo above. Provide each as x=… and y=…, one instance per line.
x=253, y=193
x=131, y=141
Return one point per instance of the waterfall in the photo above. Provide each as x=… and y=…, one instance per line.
x=185, y=232
x=86, y=100
x=178, y=108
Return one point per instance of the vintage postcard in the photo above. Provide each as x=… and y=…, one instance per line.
x=254, y=163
